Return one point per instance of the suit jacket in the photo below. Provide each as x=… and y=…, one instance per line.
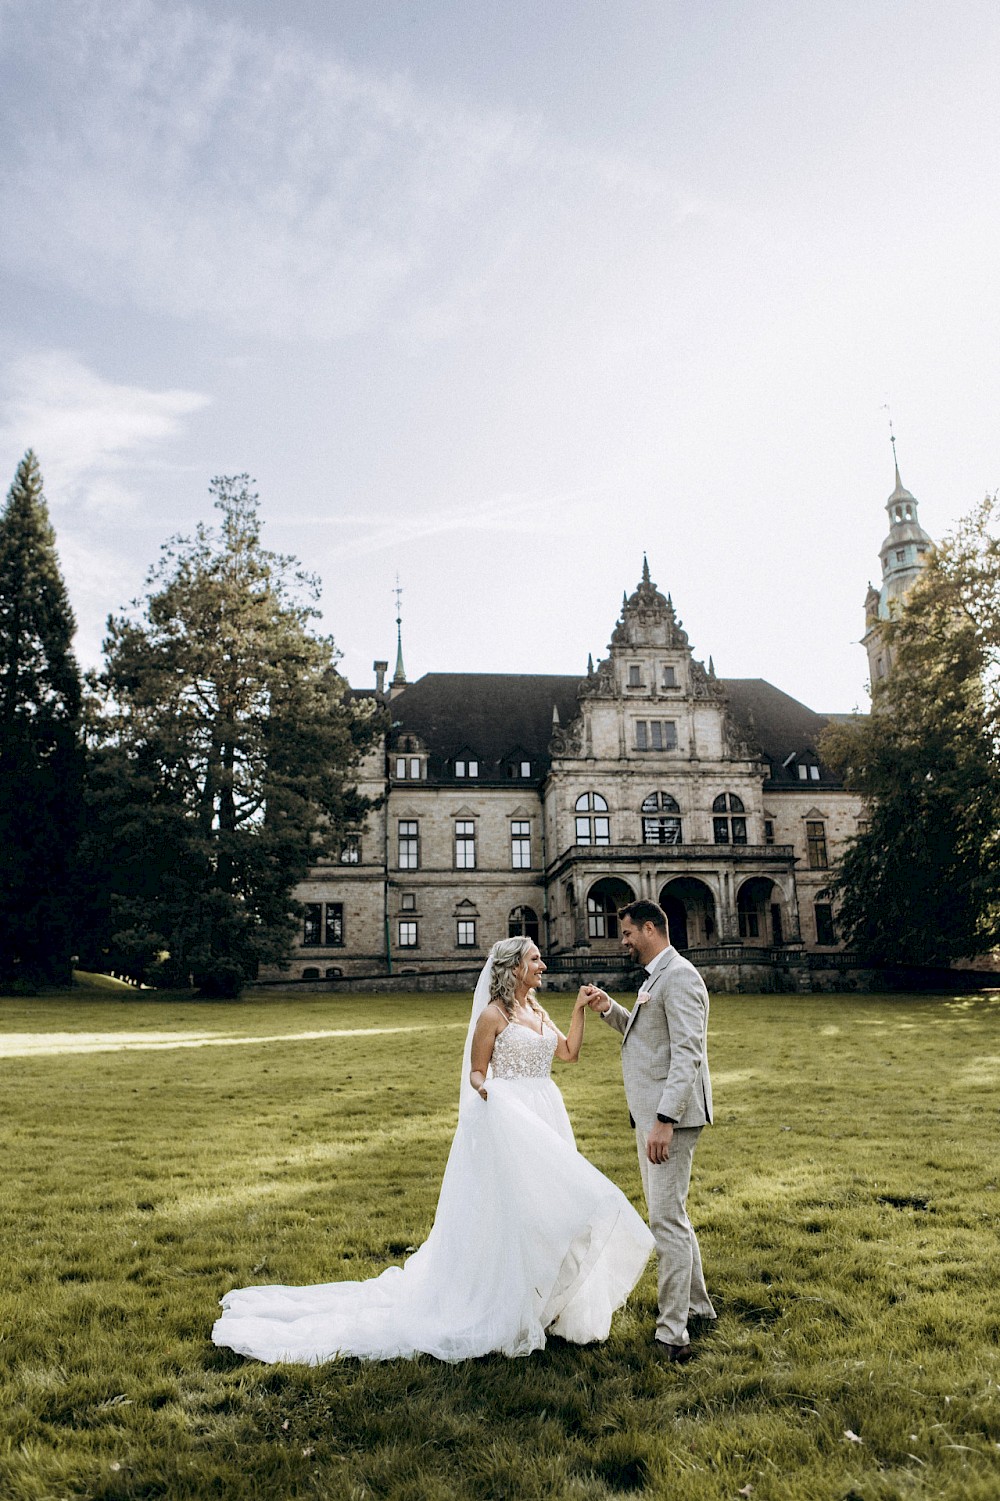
x=665, y=1046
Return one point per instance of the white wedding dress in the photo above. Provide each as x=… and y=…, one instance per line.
x=528, y=1238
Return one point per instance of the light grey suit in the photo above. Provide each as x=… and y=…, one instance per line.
x=665, y=1067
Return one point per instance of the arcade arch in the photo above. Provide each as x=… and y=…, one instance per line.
x=690, y=908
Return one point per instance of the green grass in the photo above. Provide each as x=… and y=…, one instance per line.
x=846, y=1201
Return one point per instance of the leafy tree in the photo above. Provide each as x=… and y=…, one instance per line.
x=224, y=744
x=40, y=753
x=921, y=884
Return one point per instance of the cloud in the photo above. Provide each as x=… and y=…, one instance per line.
x=363, y=534
x=89, y=433
x=201, y=170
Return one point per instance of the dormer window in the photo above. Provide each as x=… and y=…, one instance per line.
x=467, y=768
x=526, y=768
x=408, y=768
x=900, y=555
x=808, y=773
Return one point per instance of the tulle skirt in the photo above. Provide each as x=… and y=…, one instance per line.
x=528, y=1237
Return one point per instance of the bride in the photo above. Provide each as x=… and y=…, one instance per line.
x=528, y=1236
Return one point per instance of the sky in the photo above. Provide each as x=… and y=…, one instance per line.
x=498, y=297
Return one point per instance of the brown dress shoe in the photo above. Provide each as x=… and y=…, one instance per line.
x=675, y=1354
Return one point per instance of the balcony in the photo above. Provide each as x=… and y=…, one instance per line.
x=769, y=856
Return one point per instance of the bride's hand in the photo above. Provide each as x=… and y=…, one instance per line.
x=584, y=996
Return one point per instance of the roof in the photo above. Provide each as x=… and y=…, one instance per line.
x=493, y=716
x=785, y=729
x=501, y=717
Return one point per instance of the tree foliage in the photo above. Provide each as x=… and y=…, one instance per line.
x=224, y=743
x=921, y=884
x=40, y=753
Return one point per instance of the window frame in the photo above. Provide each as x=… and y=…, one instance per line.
x=404, y=826
x=464, y=846
x=520, y=844
x=411, y=941
x=816, y=845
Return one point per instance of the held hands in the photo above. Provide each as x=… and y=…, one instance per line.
x=583, y=998
x=598, y=1000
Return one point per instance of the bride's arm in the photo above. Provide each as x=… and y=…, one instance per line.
x=568, y=1048
x=483, y=1039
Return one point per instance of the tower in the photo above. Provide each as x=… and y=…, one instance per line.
x=399, y=676
x=902, y=555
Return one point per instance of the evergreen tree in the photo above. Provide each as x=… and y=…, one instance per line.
x=921, y=883
x=224, y=745
x=40, y=755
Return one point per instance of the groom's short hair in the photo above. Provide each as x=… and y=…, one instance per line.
x=643, y=912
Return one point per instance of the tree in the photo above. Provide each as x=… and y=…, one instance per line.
x=40, y=752
x=921, y=883
x=224, y=743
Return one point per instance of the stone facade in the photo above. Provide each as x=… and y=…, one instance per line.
x=540, y=804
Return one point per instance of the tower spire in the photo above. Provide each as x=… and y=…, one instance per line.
x=399, y=676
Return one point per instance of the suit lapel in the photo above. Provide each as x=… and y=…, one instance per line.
x=648, y=984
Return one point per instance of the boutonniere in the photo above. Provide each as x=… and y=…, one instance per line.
x=642, y=998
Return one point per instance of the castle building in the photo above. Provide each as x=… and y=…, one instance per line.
x=540, y=804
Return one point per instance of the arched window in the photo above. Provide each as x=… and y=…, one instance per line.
x=593, y=826
x=729, y=830
x=523, y=923
x=661, y=822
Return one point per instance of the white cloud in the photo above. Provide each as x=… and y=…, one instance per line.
x=201, y=170
x=89, y=433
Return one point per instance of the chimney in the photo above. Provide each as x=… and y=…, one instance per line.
x=381, y=668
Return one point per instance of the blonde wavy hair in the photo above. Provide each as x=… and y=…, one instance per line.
x=509, y=955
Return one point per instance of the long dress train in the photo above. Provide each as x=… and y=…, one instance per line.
x=528, y=1237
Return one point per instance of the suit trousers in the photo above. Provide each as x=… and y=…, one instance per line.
x=680, y=1283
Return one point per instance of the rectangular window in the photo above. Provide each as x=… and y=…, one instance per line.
x=409, y=844
x=350, y=850
x=720, y=828
x=739, y=831
x=473, y=768
x=826, y=933
x=583, y=831
x=816, y=844
x=465, y=844
x=526, y=768
x=401, y=767
x=312, y=925
x=635, y=676
x=655, y=734
x=661, y=831
x=864, y=826
x=769, y=831
x=334, y=925
x=749, y=923
x=408, y=901
x=407, y=934
x=669, y=678
x=602, y=831
x=814, y=773
x=415, y=768
x=460, y=768
x=466, y=933
x=803, y=772
x=520, y=844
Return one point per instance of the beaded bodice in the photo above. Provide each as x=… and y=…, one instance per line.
x=521, y=1053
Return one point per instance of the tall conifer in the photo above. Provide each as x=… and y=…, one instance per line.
x=40, y=755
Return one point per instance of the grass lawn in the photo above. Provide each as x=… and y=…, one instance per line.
x=157, y=1152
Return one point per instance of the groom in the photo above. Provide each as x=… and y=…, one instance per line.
x=669, y=1094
